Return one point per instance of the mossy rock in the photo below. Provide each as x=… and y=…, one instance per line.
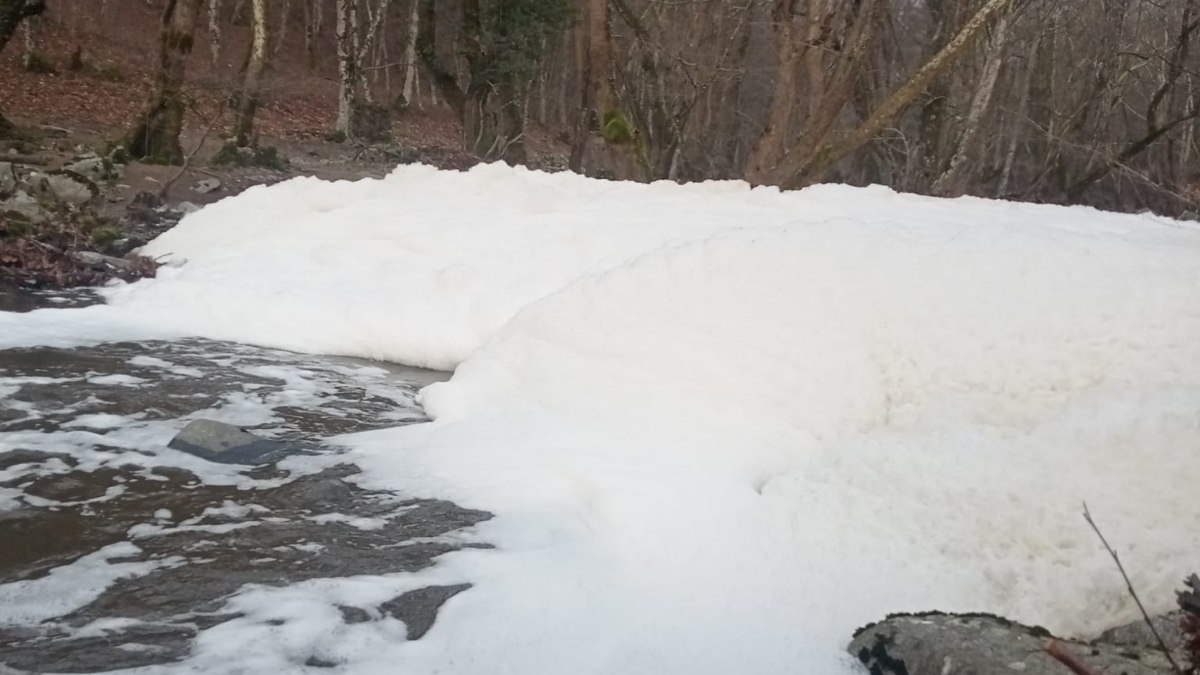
x=103, y=236
x=266, y=157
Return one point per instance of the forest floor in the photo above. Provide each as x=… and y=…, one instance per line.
x=95, y=102
x=92, y=75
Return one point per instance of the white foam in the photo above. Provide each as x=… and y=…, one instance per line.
x=719, y=427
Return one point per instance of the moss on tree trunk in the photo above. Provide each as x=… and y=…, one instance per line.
x=155, y=136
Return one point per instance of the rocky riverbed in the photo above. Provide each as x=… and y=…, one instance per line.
x=118, y=549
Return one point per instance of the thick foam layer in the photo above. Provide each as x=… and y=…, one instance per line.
x=720, y=427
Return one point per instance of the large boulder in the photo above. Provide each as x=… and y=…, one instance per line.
x=227, y=444
x=979, y=644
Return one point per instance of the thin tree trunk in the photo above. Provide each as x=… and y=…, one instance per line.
x=284, y=16
x=311, y=28
x=256, y=61
x=1010, y=156
x=27, y=55
x=348, y=64
x=768, y=149
x=949, y=183
x=410, y=52
x=214, y=30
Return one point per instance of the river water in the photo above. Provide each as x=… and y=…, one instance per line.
x=116, y=551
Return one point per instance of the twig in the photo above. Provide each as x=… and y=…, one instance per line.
x=1087, y=515
x=1064, y=656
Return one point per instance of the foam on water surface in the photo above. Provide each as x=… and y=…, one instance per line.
x=720, y=427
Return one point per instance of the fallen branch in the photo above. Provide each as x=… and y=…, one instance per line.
x=1087, y=515
x=1066, y=657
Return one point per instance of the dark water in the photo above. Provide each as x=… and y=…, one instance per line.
x=87, y=482
x=14, y=298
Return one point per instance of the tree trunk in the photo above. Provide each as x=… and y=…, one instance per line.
x=155, y=136
x=814, y=166
x=769, y=147
x=214, y=30
x=312, y=30
x=949, y=183
x=12, y=12
x=256, y=61
x=834, y=48
x=410, y=53
x=30, y=45
x=349, y=67
x=603, y=141
x=283, y=24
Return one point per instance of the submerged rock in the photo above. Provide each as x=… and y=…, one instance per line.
x=418, y=609
x=976, y=644
x=227, y=444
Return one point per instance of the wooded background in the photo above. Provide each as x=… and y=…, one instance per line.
x=1063, y=101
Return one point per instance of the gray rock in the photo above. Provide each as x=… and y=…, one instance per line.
x=207, y=185
x=948, y=644
x=67, y=187
x=23, y=204
x=37, y=186
x=100, y=261
x=354, y=614
x=419, y=609
x=227, y=444
x=72, y=188
x=94, y=168
x=1138, y=634
x=8, y=178
x=186, y=208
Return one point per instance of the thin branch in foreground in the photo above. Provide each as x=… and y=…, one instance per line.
x=1064, y=656
x=1087, y=515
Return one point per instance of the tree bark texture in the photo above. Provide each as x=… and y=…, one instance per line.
x=256, y=62
x=155, y=135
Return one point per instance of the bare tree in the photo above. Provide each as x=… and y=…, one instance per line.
x=354, y=41
x=950, y=180
x=155, y=135
x=256, y=61
x=214, y=30
x=812, y=167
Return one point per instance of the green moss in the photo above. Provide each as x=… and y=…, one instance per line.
x=266, y=157
x=104, y=235
x=228, y=155
x=617, y=127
